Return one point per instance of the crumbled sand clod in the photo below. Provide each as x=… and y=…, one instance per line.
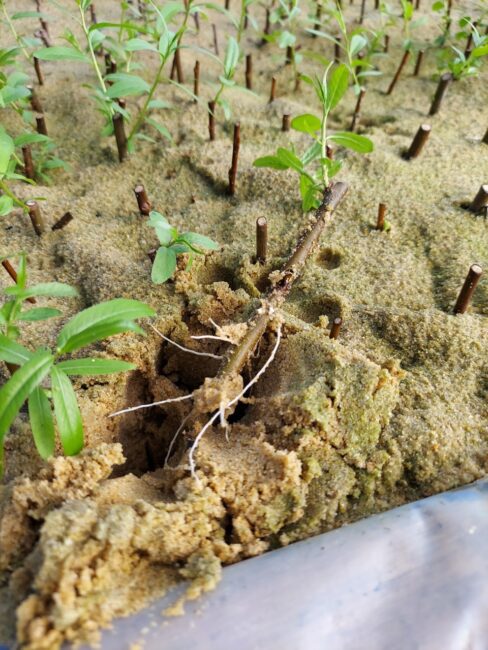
x=335, y=430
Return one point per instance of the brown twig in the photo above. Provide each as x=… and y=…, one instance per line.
x=318, y=16
x=29, y=171
x=444, y=82
x=177, y=68
x=235, y=158
x=41, y=124
x=261, y=239
x=285, y=125
x=143, y=202
x=289, y=55
x=380, y=221
x=480, y=201
x=36, y=217
x=418, y=63
x=120, y=136
x=215, y=40
x=357, y=109
x=395, y=79
x=93, y=15
x=267, y=27
x=37, y=68
x=35, y=102
x=13, y=274
x=64, y=221
x=211, y=120
x=196, y=79
x=361, y=13
x=419, y=141
x=329, y=152
x=386, y=46
x=466, y=293
x=337, y=50
x=485, y=137
x=272, y=94
x=249, y=71
x=291, y=270
x=336, y=328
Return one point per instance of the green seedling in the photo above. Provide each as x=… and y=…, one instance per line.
x=315, y=169
x=355, y=46
x=231, y=59
x=173, y=244
x=111, y=88
x=13, y=312
x=42, y=377
x=286, y=17
x=468, y=63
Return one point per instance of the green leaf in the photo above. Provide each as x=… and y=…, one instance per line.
x=13, y=352
x=30, y=138
x=288, y=158
x=138, y=44
x=129, y=85
x=67, y=411
x=337, y=86
x=231, y=57
x=39, y=313
x=194, y=239
x=312, y=153
x=306, y=123
x=352, y=141
x=6, y=205
x=164, y=231
x=18, y=388
x=42, y=423
x=160, y=128
x=164, y=265
x=60, y=53
x=356, y=45
x=6, y=151
x=100, y=321
x=90, y=366
x=269, y=161
x=481, y=50
x=52, y=289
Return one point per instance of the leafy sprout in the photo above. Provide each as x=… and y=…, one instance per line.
x=172, y=244
x=13, y=311
x=226, y=80
x=42, y=377
x=315, y=169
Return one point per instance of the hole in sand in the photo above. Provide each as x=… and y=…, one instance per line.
x=330, y=258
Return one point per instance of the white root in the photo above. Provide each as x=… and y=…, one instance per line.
x=213, y=338
x=181, y=347
x=146, y=406
x=222, y=409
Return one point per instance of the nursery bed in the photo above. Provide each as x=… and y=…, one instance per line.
x=392, y=411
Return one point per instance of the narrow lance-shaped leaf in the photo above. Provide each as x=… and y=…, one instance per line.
x=52, y=289
x=353, y=141
x=42, y=423
x=270, y=161
x=67, y=411
x=39, y=313
x=17, y=389
x=306, y=123
x=13, y=352
x=90, y=366
x=194, y=239
x=100, y=321
x=60, y=53
x=337, y=86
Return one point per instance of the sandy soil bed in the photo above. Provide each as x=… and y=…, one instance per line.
x=394, y=410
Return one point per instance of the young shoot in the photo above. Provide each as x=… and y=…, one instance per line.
x=314, y=168
x=355, y=46
x=465, y=64
x=286, y=16
x=13, y=311
x=172, y=244
x=43, y=377
x=226, y=80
